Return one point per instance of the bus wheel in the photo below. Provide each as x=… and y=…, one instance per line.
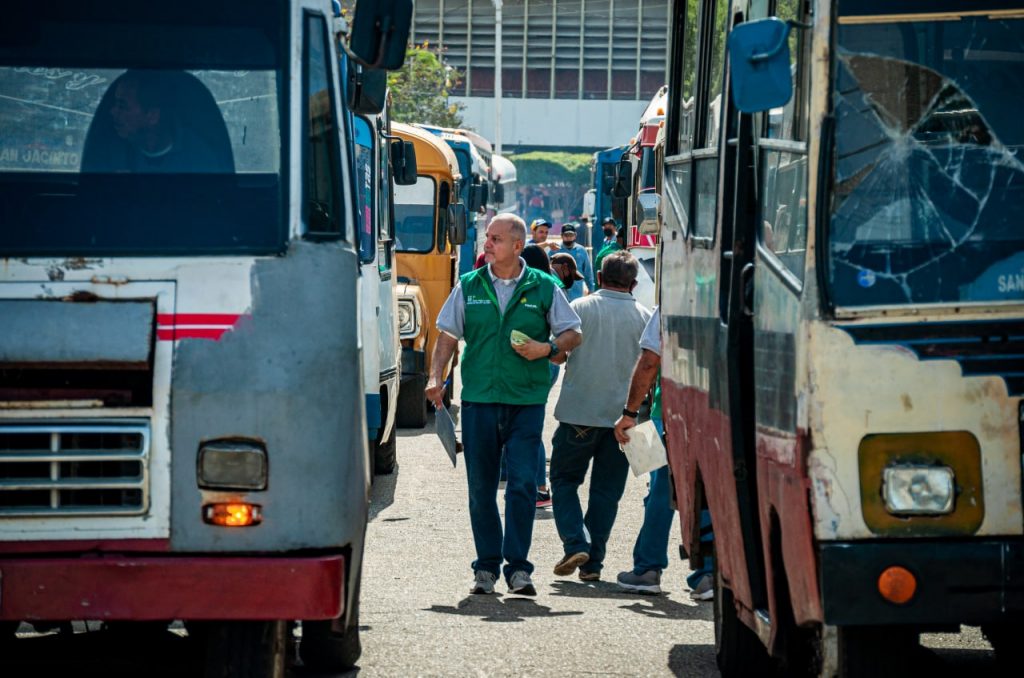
x=323, y=649
x=876, y=651
x=412, y=403
x=8, y=629
x=384, y=455
x=738, y=650
x=246, y=649
x=1006, y=642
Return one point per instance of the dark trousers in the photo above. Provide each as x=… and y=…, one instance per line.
x=486, y=429
x=573, y=448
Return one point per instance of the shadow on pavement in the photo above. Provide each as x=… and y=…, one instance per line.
x=658, y=607
x=692, y=661
x=382, y=492
x=497, y=608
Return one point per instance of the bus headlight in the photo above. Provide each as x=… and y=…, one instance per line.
x=232, y=465
x=408, y=318
x=918, y=490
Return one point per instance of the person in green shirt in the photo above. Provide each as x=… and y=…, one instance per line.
x=619, y=243
x=505, y=387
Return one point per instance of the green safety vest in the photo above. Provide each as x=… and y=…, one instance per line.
x=491, y=371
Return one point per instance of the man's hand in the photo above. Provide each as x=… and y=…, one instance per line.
x=621, y=426
x=533, y=349
x=435, y=392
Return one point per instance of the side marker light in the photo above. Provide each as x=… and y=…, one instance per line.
x=233, y=515
x=897, y=584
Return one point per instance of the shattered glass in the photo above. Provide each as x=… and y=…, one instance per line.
x=928, y=203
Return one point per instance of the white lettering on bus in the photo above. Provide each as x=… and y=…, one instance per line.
x=77, y=80
x=1011, y=283
x=37, y=157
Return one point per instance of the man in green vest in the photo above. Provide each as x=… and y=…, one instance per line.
x=505, y=384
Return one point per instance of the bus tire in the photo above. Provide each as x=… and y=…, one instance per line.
x=8, y=631
x=738, y=650
x=411, y=411
x=384, y=455
x=246, y=649
x=1005, y=640
x=325, y=650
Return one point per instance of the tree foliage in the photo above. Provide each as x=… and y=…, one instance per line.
x=419, y=90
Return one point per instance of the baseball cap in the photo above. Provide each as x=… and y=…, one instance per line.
x=566, y=258
x=569, y=228
x=608, y=220
x=539, y=222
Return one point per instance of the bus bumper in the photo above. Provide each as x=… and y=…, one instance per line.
x=958, y=582
x=167, y=588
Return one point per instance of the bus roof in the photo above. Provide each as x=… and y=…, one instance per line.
x=503, y=168
x=433, y=155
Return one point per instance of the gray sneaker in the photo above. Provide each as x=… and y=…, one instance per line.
x=483, y=582
x=649, y=582
x=521, y=584
x=704, y=590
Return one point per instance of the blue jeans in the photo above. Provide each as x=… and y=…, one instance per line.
x=572, y=449
x=542, y=457
x=486, y=429
x=651, y=549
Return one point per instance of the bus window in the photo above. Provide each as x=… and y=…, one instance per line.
x=688, y=86
x=141, y=142
x=384, y=254
x=783, y=157
x=414, y=216
x=323, y=209
x=706, y=163
x=364, y=190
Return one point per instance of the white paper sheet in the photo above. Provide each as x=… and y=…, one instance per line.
x=645, y=451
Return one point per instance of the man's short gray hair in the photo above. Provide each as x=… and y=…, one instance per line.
x=517, y=227
x=619, y=269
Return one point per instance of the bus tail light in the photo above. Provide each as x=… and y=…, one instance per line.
x=237, y=514
x=897, y=584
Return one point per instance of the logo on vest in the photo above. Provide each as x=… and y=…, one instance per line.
x=471, y=301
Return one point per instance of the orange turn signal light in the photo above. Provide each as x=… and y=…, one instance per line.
x=233, y=514
x=897, y=584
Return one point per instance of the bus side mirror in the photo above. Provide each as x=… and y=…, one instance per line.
x=477, y=196
x=759, y=65
x=367, y=90
x=623, y=186
x=649, y=206
x=380, y=33
x=499, y=194
x=457, y=223
x=403, y=162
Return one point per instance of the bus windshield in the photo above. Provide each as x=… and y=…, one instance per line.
x=128, y=135
x=414, y=216
x=928, y=166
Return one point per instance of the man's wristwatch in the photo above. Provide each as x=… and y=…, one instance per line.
x=630, y=413
x=554, y=349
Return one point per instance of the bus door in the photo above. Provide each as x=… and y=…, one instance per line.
x=706, y=371
x=776, y=273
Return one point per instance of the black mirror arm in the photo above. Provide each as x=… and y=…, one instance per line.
x=774, y=51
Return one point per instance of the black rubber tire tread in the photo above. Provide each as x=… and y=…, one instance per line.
x=876, y=652
x=411, y=411
x=246, y=649
x=738, y=651
x=1007, y=644
x=385, y=455
x=323, y=650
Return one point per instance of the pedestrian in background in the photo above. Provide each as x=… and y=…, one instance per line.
x=504, y=390
x=596, y=381
x=563, y=267
x=650, y=553
x=617, y=244
x=539, y=230
x=582, y=258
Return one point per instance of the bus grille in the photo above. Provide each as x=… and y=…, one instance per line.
x=74, y=470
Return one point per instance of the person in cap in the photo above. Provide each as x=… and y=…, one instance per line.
x=505, y=387
x=589, y=404
x=619, y=243
x=539, y=235
x=563, y=267
x=609, y=228
x=582, y=258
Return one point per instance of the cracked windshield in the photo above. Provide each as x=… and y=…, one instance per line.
x=929, y=163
